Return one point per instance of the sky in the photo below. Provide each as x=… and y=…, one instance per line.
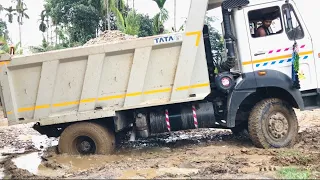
x=31, y=36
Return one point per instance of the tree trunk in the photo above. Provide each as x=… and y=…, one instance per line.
x=47, y=30
x=175, y=15
x=133, y=4
x=56, y=35
x=108, y=15
x=20, y=38
x=51, y=38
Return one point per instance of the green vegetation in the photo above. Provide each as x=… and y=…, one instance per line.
x=5, y=48
x=293, y=173
x=160, y=17
x=70, y=23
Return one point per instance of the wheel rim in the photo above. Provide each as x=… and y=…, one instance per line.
x=277, y=126
x=85, y=145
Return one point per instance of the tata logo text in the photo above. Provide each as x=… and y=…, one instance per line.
x=167, y=39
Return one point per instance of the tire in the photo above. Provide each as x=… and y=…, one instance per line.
x=101, y=139
x=273, y=124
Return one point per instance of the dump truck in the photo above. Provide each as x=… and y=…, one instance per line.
x=171, y=82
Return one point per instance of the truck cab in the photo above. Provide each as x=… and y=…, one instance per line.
x=279, y=66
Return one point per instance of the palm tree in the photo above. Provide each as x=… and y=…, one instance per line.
x=161, y=17
x=10, y=13
x=21, y=12
x=43, y=26
x=21, y=9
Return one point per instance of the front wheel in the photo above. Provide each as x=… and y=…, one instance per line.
x=273, y=124
x=85, y=138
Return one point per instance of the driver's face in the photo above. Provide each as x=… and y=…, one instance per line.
x=267, y=23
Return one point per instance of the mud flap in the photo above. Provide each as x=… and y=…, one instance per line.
x=234, y=101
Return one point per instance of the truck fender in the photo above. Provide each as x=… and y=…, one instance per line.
x=251, y=82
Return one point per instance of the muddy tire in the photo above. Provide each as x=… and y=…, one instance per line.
x=86, y=138
x=273, y=124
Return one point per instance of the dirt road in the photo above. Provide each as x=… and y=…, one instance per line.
x=207, y=153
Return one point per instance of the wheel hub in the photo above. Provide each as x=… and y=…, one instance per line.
x=278, y=125
x=85, y=145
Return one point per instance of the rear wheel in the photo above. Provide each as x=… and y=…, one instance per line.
x=273, y=124
x=86, y=138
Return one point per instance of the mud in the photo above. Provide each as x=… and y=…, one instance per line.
x=205, y=153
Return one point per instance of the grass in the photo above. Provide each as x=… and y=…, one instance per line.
x=294, y=173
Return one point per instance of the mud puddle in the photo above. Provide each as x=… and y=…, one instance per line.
x=22, y=156
x=32, y=162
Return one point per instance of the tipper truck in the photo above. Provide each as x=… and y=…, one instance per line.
x=170, y=82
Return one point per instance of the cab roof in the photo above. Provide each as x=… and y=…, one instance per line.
x=212, y=4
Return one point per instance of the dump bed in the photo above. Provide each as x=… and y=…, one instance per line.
x=97, y=81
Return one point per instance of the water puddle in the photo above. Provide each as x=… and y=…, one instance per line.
x=76, y=163
x=58, y=165
x=29, y=162
x=39, y=142
x=32, y=162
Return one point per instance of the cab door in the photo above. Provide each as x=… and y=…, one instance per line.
x=275, y=51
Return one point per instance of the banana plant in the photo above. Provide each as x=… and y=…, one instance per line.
x=160, y=17
x=5, y=48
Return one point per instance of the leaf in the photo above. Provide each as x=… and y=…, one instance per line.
x=132, y=23
x=119, y=16
x=26, y=15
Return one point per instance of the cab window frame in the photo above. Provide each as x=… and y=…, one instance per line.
x=292, y=11
x=280, y=16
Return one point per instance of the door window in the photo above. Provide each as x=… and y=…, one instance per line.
x=265, y=22
x=292, y=24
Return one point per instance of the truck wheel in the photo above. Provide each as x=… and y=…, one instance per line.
x=273, y=124
x=86, y=138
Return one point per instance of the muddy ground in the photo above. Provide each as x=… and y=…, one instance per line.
x=206, y=153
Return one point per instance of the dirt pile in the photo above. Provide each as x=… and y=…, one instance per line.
x=288, y=158
x=309, y=139
x=110, y=36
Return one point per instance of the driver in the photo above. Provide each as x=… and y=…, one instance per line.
x=263, y=30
